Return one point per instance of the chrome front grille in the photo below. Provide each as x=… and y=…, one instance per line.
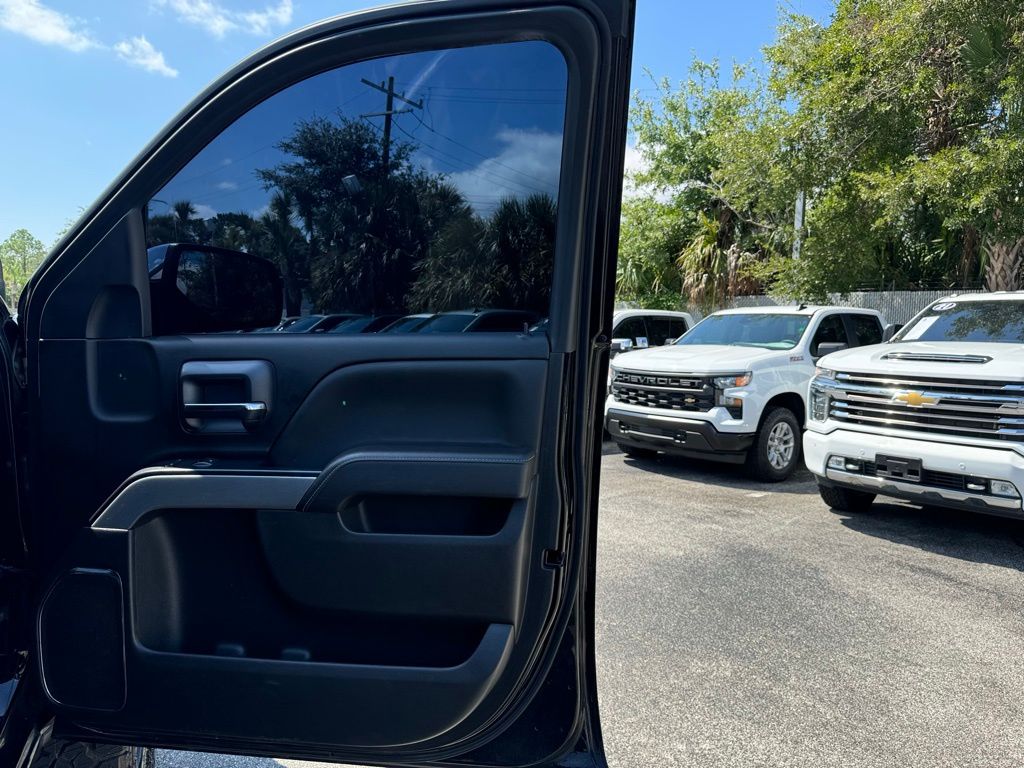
x=663, y=390
x=929, y=404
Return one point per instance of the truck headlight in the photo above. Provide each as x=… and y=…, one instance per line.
x=733, y=404
x=819, y=404
x=733, y=380
x=827, y=373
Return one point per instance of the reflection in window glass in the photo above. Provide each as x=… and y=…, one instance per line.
x=983, y=321
x=447, y=203
x=768, y=331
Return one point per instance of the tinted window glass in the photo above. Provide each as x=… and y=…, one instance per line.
x=209, y=290
x=504, y=321
x=769, y=331
x=447, y=324
x=445, y=203
x=830, y=331
x=867, y=330
x=408, y=324
x=661, y=330
x=631, y=328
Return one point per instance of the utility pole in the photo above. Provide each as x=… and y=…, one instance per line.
x=389, y=111
x=798, y=223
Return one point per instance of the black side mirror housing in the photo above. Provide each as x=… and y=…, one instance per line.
x=203, y=289
x=828, y=347
x=891, y=330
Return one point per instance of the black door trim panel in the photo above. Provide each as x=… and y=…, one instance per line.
x=157, y=488
x=497, y=475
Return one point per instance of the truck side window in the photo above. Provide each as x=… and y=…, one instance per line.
x=866, y=329
x=660, y=330
x=445, y=204
x=631, y=328
x=830, y=330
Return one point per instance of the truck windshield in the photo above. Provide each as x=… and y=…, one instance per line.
x=993, y=321
x=768, y=331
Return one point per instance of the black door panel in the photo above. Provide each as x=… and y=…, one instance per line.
x=380, y=530
x=355, y=546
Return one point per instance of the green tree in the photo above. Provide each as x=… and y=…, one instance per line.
x=20, y=256
x=902, y=122
x=504, y=260
x=284, y=243
x=179, y=224
x=364, y=224
x=685, y=233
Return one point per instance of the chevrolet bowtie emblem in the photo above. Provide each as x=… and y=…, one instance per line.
x=915, y=399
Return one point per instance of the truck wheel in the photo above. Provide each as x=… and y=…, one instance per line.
x=776, y=450
x=636, y=453
x=844, y=499
x=58, y=753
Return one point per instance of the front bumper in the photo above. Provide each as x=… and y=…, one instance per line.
x=950, y=460
x=677, y=436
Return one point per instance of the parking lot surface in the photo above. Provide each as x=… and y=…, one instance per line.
x=742, y=624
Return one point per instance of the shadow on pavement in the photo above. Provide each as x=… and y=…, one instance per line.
x=964, y=535
x=715, y=473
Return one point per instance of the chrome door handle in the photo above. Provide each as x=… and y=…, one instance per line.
x=250, y=414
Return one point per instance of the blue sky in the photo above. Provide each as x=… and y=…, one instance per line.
x=86, y=84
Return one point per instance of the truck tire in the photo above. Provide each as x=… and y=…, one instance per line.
x=58, y=753
x=845, y=500
x=775, y=453
x=636, y=453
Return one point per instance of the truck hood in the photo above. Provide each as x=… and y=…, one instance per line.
x=922, y=358
x=697, y=358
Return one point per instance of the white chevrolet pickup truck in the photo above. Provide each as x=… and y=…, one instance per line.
x=733, y=387
x=936, y=416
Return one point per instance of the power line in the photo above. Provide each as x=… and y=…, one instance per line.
x=470, y=168
x=475, y=152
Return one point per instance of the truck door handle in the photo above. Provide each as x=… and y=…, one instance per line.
x=249, y=414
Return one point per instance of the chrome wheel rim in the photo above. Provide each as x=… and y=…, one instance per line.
x=781, y=445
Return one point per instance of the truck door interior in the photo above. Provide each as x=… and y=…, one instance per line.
x=362, y=547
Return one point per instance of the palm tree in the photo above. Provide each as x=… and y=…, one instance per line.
x=187, y=225
x=287, y=248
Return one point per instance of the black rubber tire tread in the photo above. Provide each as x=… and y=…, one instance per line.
x=637, y=453
x=757, y=456
x=59, y=753
x=844, y=499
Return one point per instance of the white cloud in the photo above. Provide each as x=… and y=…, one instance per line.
x=218, y=21
x=636, y=162
x=263, y=22
x=36, y=21
x=228, y=186
x=139, y=52
x=204, y=211
x=527, y=163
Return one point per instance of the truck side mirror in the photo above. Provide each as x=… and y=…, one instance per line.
x=828, y=347
x=891, y=330
x=203, y=289
x=620, y=345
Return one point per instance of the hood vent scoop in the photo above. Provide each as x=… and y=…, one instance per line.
x=935, y=357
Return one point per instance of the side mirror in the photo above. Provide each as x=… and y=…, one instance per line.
x=203, y=289
x=891, y=330
x=620, y=345
x=828, y=347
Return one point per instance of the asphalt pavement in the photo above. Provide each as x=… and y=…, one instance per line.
x=742, y=624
